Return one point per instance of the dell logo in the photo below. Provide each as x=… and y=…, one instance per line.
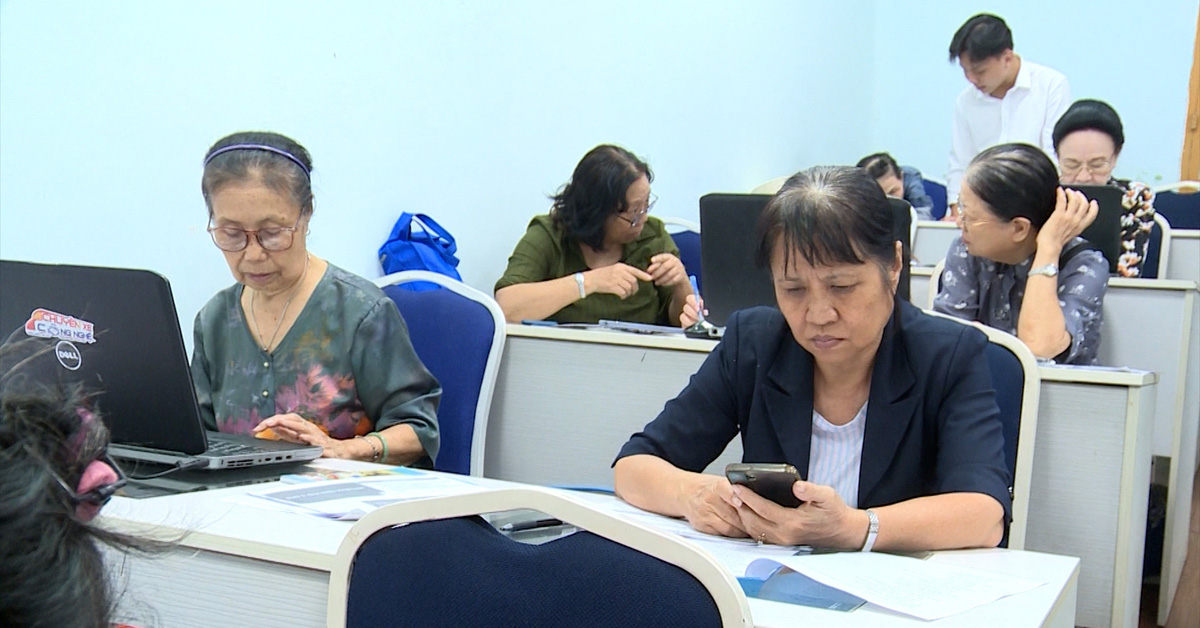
x=68, y=355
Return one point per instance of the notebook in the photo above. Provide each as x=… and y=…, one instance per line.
x=115, y=331
x=732, y=281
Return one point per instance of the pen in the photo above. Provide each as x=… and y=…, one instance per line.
x=532, y=524
x=696, y=293
x=529, y=321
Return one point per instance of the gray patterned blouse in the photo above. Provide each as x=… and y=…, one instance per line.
x=346, y=364
x=978, y=289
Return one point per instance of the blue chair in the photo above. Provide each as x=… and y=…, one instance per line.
x=433, y=563
x=1017, y=383
x=458, y=332
x=687, y=238
x=1158, y=249
x=1181, y=209
x=936, y=191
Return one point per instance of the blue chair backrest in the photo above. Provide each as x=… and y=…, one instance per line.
x=1153, y=253
x=689, y=253
x=452, y=335
x=1008, y=379
x=936, y=192
x=462, y=572
x=1181, y=210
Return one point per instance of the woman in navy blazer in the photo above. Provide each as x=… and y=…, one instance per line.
x=887, y=411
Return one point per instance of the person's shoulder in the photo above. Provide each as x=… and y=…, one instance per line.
x=757, y=326
x=1090, y=260
x=910, y=171
x=1043, y=73
x=349, y=286
x=219, y=304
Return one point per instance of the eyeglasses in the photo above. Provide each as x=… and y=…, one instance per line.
x=1099, y=165
x=101, y=494
x=639, y=215
x=233, y=239
x=965, y=220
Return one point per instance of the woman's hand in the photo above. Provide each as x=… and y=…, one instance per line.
x=294, y=428
x=708, y=507
x=823, y=520
x=690, y=313
x=1073, y=213
x=667, y=270
x=619, y=279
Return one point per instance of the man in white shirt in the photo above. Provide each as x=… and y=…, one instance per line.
x=1009, y=100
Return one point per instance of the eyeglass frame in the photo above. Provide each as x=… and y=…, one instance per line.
x=639, y=215
x=1087, y=165
x=257, y=237
x=99, y=495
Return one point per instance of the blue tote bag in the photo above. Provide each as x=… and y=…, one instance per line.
x=417, y=242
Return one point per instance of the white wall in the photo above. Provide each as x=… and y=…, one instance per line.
x=474, y=111
x=1134, y=56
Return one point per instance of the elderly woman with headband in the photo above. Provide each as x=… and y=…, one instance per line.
x=299, y=349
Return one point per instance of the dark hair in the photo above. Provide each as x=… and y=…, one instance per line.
x=880, y=164
x=830, y=215
x=1090, y=114
x=981, y=37
x=54, y=573
x=1015, y=180
x=274, y=170
x=596, y=191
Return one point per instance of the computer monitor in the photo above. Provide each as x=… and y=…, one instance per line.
x=732, y=281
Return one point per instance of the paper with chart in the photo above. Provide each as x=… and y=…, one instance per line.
x=348, y=500
x=921, y=588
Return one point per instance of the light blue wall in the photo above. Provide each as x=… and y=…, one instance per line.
x=474, y=111
x=1134, y=55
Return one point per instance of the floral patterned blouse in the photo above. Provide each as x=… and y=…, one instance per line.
x=1136, y=223
x=978, y=289
x=346, y=364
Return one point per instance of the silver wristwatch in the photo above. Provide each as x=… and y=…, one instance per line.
x=1049, y=270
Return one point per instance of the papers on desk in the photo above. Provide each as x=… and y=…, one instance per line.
x=925, y=589
x=913, y=586
x=349, y=500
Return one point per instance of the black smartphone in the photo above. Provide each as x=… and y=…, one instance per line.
x=773, y=481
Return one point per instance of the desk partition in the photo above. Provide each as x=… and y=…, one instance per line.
x=1184, y=259
x=566, y=400
x=932, y=241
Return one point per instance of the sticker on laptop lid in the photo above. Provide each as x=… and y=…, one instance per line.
x=44, y=323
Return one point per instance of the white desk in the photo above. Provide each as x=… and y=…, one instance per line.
x=612, y=384
x=1184, y=260
x=245, y=566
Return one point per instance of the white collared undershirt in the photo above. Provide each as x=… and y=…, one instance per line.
x=835, y=454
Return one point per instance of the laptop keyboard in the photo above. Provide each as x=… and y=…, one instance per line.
x=231, y=448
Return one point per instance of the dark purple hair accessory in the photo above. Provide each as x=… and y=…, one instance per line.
x=263, y=147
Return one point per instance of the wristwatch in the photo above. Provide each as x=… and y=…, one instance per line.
x=1049, y=270
x=872, y=530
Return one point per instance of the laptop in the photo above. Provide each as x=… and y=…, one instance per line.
x=1105, y=232
x=115, y=331
x=732, y=281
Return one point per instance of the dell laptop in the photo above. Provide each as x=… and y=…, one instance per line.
x=115, y=331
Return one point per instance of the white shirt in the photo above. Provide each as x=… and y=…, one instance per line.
x=1027, y=113
x=835, y=454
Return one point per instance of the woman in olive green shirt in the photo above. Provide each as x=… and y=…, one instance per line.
x=597, y=255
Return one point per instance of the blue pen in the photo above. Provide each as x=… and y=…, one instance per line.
x=529, y=321
x=696, y=293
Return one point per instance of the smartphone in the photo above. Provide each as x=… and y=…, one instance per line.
x=773, y=481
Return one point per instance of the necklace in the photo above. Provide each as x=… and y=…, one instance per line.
x=266, y=346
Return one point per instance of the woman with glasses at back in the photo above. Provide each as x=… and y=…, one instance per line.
x=598, y=254
x=1088, y=139
x=299, y=349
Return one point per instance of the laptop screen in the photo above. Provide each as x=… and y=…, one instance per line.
x=116, y=332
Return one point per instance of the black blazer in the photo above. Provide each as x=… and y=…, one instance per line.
x=932, y=422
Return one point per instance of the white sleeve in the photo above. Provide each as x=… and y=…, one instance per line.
x=1057, y=102
x=961, y=152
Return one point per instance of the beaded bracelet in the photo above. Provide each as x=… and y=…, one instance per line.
x=383, y=443
x=374, y=449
